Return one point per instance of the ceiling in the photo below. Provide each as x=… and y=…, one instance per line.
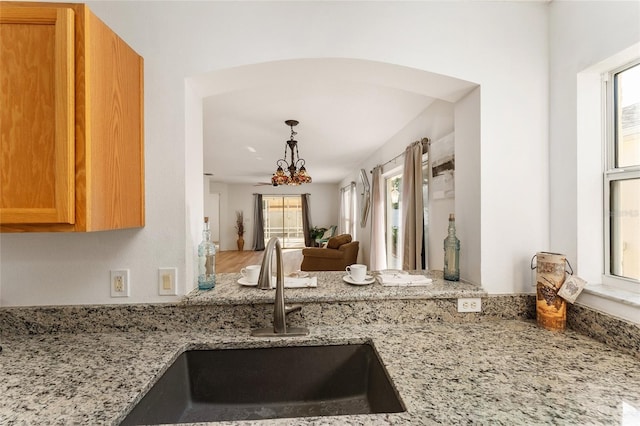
x=347, y=110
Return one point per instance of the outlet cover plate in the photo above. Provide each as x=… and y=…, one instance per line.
x=119, y=283
x=167, y=281
x=470, y=304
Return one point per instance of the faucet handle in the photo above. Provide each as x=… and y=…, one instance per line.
x=292, y=308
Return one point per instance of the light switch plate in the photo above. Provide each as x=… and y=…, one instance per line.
x=167, y=281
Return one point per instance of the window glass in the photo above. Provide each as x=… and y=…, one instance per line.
x=627, y=111
x=348, y=210
x=283, y=219
x=394, y=221
x=622, y=177
x=625, y=228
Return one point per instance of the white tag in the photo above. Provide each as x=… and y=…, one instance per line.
x=571, y=288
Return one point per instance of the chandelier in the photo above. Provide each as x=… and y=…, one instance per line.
x=295, y=167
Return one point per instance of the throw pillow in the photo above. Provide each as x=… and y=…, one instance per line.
x=326, y=235
x=338, y=240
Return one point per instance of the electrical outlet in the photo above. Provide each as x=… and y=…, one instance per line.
x=167, y=282
x=470, y=305
x=119, y=283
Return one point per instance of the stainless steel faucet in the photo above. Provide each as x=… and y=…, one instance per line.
x=280, y=311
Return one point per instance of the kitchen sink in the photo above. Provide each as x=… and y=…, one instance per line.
x=266, y=383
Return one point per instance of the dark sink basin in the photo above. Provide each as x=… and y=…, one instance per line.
x=266, y=383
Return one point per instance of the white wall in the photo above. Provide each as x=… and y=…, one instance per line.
x=501, y=46
x=438, y=122
x=212, y=210
x=193, y=187
x=468, y=202
x=603, y=29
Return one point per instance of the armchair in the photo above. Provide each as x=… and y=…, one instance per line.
x=339, y=253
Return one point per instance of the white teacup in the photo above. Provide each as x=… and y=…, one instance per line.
x=357, y=272
x=251, y=273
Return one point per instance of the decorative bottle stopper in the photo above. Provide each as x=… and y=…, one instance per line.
x=206, y=260
x=452, y=252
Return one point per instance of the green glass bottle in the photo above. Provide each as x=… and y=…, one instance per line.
x=452, y=252
x=206, y=260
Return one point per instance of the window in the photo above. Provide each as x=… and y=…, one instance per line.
x=393, y=215
x=348, y=210
x=394, y=221
x=282, y=217
x=622, y=176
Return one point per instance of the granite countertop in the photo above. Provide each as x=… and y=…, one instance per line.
x=332, y=288
x=498, y=372
x=91, y=365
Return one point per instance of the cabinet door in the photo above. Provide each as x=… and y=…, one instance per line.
x=37, y=115
x=113, y=130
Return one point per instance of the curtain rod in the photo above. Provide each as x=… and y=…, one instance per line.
x=424, y=141
x=280, y=195
x=347, y=186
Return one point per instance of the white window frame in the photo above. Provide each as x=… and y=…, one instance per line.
x=391, y=263
x=612, y=173
x=348, y=219
x=589, y=221
x=285, y=240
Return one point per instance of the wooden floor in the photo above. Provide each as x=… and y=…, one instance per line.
x=233, y=260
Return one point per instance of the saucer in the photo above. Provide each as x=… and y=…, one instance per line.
x=368, y=279
x=243, y=281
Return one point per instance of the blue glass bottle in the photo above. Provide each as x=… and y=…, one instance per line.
x=452, y=252
x=206, y=260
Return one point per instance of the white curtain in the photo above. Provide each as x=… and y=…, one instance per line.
x=343, y=209
x=378, y=254
x=413, y=208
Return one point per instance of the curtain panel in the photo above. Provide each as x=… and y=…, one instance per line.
x=258, y=223
x=413, y=208
x=306, y=221
x=378, y=254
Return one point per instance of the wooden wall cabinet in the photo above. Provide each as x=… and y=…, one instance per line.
x=71, y=122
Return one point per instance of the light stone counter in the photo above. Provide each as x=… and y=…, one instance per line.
x=494, y=372
x=332, y=288
x=231, y=306
x=91, y=364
